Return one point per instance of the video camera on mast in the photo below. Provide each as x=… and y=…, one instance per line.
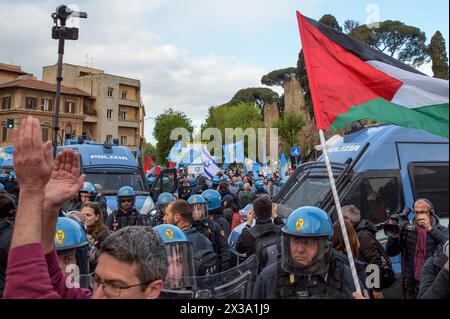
x=63, y=13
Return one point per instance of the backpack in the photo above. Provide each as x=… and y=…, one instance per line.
x=206, y=262
x=267, y=247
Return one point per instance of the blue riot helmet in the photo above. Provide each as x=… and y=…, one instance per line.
x=192, y=182
x=240, y=185
x=215, y=181
x=180, y=272
x=225, y=178
x=164, y=199
x=89, y=189
x=198, y=204
x=268, y=177
x=213, y=199
x=306, y=241
x=71, y=246
x=126, y=197
x=165, y=184
x=151, y=181
x=259, y=185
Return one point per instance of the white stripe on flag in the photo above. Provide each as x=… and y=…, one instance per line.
x=417, y=90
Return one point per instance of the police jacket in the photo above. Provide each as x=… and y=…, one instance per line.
x=264, y=226
x=218, y=218
x=214, y=233
x=124, y=219
x=274, y=283
x=6, y=230
x=198, y=240
x=436, y=236
x=434, y=279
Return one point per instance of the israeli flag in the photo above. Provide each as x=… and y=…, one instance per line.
x=174, y=155
x=234, y=152
x=211, y=167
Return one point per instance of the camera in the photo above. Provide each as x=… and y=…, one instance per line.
x=63, y=13
x=401, y=224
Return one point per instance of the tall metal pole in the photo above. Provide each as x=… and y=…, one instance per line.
x=58, y=85
x=339, y=211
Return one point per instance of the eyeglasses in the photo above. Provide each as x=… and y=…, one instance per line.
x=110, y=289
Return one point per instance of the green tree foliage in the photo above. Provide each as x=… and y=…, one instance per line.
x=242, y=115
x=258, y=96
x=289, y=126
x=150, y=150
x=394, y=38
x=350, y=25
x=436, y=50
x=330, y=21
x=278, y=77
x=164, y=124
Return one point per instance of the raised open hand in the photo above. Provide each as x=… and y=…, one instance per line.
x=65, y=180
x=32, y=160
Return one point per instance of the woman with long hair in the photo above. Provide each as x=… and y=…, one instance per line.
x=95, y=229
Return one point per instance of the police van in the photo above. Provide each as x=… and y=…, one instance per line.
x=112, y=167
x=380, y=169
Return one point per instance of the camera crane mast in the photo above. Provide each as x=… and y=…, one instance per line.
x=61, y=32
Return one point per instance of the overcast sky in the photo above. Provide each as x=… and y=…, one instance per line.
x=190, y=54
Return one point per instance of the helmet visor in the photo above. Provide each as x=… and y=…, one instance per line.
x=305, y=255
x=180, y=272
x=199, y=212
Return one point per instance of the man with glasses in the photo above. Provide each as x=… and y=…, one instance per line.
x=133, y=261
x=126, y=214
x=416, y=244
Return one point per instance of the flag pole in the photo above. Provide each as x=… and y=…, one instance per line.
x=339, y=211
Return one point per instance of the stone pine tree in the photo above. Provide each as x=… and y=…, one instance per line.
x=438, y=54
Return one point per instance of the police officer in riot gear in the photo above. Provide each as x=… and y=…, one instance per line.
x=126, y=214
x=214, y=205
x=210, y=229
x=309, y=267
x=157, y=215
x=180, y=279
x=72, y=249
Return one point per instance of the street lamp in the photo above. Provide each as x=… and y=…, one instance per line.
x=61, y=32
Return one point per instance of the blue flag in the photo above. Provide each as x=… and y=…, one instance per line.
x=234, y=152
x=283, y=169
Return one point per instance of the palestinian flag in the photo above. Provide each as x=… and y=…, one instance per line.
x=351, y=81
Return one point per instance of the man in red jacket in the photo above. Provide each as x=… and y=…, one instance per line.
x=127, y=268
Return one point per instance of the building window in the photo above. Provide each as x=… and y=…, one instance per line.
x=6, y=103
x=109, y=138
x=4, y=134
x=70, y=107
x=44, y=134
x=123, y=140
x=124, y=115
x=124, y=95
x=109, y=114
x=30, y=102
x=110, y=92
x=47, y=105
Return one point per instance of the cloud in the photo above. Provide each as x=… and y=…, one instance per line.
x=117, y=39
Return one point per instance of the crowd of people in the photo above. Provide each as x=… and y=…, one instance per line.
x=57, y=239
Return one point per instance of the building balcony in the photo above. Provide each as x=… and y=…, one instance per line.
x=133, y=103
x=128, y=123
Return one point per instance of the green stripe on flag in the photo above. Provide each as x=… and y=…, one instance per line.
x=433, y=118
